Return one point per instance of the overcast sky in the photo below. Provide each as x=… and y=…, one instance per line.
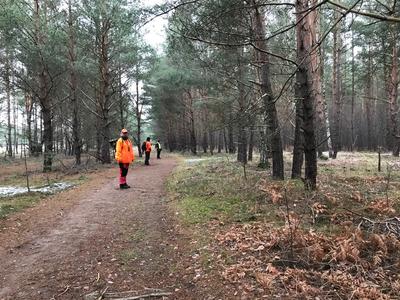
x=154, y=33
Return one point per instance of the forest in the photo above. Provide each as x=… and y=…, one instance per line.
x=234, y=76
x=294, y=104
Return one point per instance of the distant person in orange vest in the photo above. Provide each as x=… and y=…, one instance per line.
x=147, y=152
x=124, y=156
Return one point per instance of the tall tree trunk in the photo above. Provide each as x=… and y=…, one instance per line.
x=393, y=94
x=353, y=93
x=241, y=115
x=368, y=102
x=35, y=128
x=138, y=112
x=336, y=88
x=121, y=99
x=192, y=128
x=7, y=81
x=242, y=145
x=251, y=144
x=298, y=144
x=104, y=85
x=231, y=142
x=212, y=141
x=263, y=163
x=44, y=88
x=226, y=142
x=220, y=141
x=204, y=143
x=304, y=83
x=15, y=123
x=317, y=69
x=267, y=95
x=76, y=122
x=28, y=110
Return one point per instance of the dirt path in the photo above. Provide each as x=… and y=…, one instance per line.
x=123, y=240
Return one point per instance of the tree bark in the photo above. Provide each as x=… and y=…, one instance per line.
x=241, y=115
x=192, y=128
x=103, y=100
x=353, y=94
x=298, y=144
x=138, y=112
x=267, y=95
x=336, y=89
x=76, y=122
x=251, y=144
x=28, y=110
x=316, y=62
x=393, y=94
x=304, y=83
x=242, y=145
x=231, y=142
x=220, y=141
x=7, y=81
x=368, y=103
x=263, y=163
x=44, y=89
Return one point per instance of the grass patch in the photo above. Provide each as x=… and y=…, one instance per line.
x=9, y=205
x=138, y=236
x=215, y=189
x=127, y=256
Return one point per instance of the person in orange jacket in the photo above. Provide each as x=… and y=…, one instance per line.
x=124, y=156
x=147, y=152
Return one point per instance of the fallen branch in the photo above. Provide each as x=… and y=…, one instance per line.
x=102, y=294
x=150, y=295
x=387, y=226
x=60, y=294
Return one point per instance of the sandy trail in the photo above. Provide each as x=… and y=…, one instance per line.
x=123, y=240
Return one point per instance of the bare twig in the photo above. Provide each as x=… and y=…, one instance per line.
x=102, y=294
x=150, y=295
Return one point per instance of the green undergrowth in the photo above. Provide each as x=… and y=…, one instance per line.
x=216, y=189
x=256, y=231
x=9, y=205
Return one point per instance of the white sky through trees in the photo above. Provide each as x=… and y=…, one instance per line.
x=154, y=32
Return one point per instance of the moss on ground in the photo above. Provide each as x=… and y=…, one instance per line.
x=9, y=205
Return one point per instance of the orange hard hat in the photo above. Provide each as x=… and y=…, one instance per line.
x=124, y=131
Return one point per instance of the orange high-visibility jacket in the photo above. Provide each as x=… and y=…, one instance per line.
x=148, y=147
x=124, y=151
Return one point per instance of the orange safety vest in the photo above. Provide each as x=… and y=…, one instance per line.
x=124, y=151
x=148, y=147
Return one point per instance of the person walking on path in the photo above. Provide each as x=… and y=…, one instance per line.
x=124, y=156
x=147, y=152
x=158, y=148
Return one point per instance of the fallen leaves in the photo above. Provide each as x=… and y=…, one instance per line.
x=352, y=263
x=382, y=207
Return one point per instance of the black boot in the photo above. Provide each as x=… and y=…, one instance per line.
x=124, y=186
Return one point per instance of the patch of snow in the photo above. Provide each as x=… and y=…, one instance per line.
x=6, y=191
x=195, y=160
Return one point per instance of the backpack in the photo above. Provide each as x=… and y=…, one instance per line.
x=144, y=147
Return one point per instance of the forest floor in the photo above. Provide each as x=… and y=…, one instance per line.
x=205, y=228
x=257, y=238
